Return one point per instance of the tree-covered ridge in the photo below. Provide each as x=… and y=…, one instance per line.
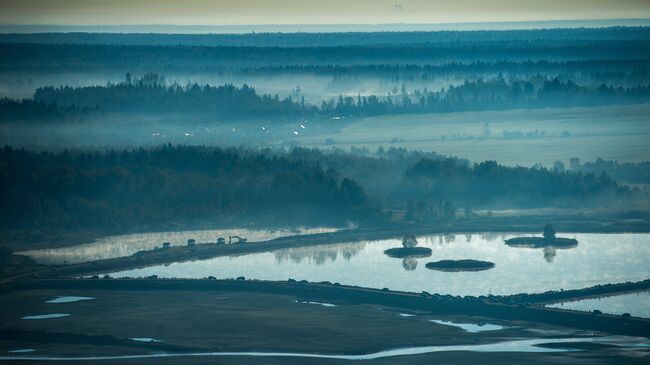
x=152, y=94
x=163, y=59
x=303, y=39
x=136, y=188
x=488, y=183
x=124, y=189
x=628, y=71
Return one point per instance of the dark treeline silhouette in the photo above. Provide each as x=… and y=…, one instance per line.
x=141, y=187
x=284, y=39
x=630, y=71
x=31, y=110
x=629, y=172
x=56, y=57
x=151, y=94
x=496, y=94
x=434, y=184
x=127, y=189
x=488, y=183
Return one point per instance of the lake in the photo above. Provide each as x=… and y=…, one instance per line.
x=597, y=259
x=128, y=244
x=637, y=304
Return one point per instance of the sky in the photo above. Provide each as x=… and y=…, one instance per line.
x=244, y=12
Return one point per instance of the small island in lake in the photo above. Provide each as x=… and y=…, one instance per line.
x=548, y=240
x=460, y=265
x=409, y=249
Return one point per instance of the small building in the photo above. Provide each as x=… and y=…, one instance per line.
x=191, y=242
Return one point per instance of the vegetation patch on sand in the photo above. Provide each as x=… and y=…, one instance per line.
x=460, y=265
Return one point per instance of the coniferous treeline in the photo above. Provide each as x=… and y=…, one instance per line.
x=626, y=70
x=306, y=39
x=135, y=188
x=495, y=94
x=629, y=172
x=488, y=183
x=165, y=59
x=151, y=94
x=125, y=189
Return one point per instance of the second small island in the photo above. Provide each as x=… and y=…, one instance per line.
x=460, y=265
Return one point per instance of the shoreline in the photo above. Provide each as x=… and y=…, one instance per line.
x=571, y=222
x=203, y=251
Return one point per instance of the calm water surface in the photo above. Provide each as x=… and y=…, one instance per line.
x=598, y=259
x=637, y=304
x=126, y=245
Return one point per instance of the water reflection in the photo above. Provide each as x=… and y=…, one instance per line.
x=409, y=263
x=549, y=254
x=549, y=250
x=127, y=245
x=636, y=304
x=598, y=259
x=319, y=255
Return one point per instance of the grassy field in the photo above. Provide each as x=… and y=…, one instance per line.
x=614, y=132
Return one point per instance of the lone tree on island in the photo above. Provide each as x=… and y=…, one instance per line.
x=549, y=232
x=409, y=241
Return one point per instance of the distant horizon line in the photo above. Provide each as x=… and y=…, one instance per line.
x=328, y=27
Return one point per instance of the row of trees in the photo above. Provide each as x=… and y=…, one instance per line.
x=151, y=95
x=495, y=94
x=626, y=70
x=97, y=58
x=273, y=38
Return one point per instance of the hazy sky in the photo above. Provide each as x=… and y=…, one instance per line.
x=229, y=12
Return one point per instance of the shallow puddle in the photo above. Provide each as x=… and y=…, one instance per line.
x=471, y=327
x=68, y=299
x=47, y=316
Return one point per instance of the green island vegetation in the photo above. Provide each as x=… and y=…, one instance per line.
x=409, y=249
x=459, y=265
x=547, y=240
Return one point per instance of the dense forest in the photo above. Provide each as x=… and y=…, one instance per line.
x=150, y=94
x=124, y=189
x=303, y=39
x=629, y=172
x=488, y=182
x=163, y=59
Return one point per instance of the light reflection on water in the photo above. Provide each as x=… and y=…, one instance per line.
x=636, y=304
x=598, y=259
x=128, y=244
